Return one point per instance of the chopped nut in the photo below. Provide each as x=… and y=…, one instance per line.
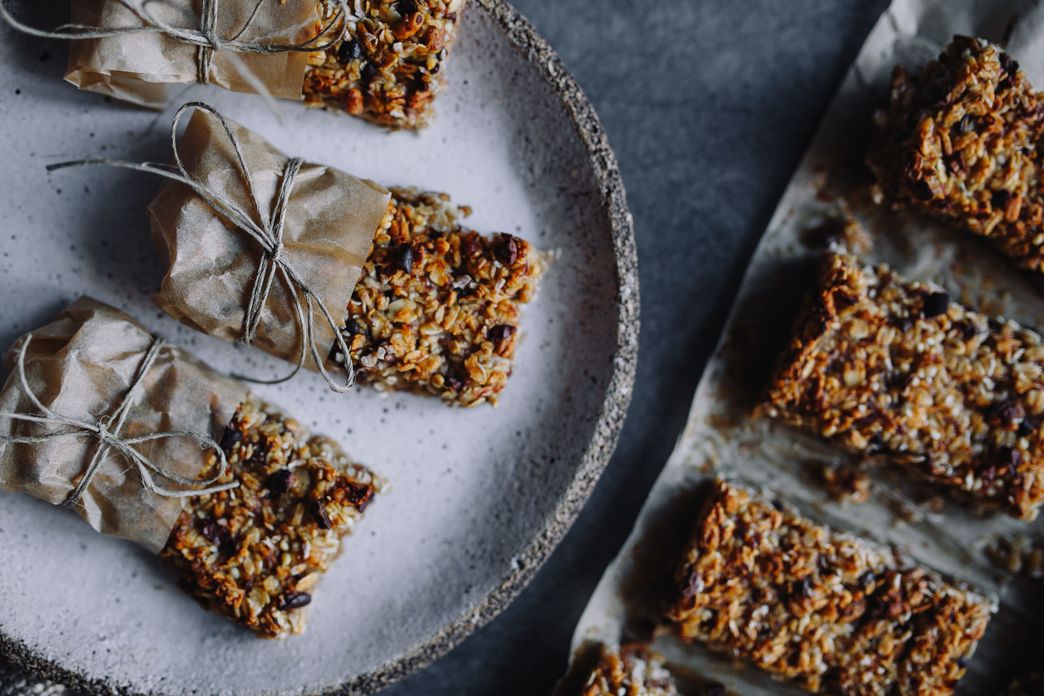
x=633, y=670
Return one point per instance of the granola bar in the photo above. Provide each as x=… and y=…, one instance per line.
x=437, y=308
x=256, y=552
x=886, y=366
x=633, y=670
x=959, y=141
x=386, y=69
x=831, y=612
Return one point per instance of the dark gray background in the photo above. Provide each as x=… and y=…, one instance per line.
x=709, y=105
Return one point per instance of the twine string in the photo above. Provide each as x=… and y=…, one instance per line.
x=205, y=38
x=105, y=432
x=268, y=233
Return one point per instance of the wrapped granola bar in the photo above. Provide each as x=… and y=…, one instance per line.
x=135, y=50
x=420, y=303
x=833, y=613
x=886, y=366
x=280, y=279
x=101, y=417
x=959, y=141
x=387, y=68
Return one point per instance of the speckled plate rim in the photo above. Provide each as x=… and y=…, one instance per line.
x=589, y=128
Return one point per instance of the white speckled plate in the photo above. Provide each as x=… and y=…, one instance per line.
x=479, y=497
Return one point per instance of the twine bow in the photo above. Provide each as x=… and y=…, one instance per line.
x=205, y=38
x=105, y=431
x=268, y=234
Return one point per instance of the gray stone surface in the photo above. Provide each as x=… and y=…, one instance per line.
x=709, y=105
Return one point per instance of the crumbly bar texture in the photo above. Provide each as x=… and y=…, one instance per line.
x=633, y=670
x=959, y=141
x=833, y=613
x=888, y=367
x=437, y=308
x=387, y=67
x=256, y=552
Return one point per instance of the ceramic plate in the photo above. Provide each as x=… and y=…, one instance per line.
x=478, y=497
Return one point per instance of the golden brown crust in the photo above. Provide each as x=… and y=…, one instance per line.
x=833, y=613
x=387, y=68
x=437, y=308
x=633, y=670
x=885, y=366
x=255, y=553
x=959, y=141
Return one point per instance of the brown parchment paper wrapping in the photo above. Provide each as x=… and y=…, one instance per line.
x=81, y=365
x=330, y=223
x=722, y=438
x=139, y=67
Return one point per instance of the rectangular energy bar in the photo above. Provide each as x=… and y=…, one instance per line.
x=256, y=552
x=387, y=67
x=437, y=308
x=833, y=613
x=959, y=141
x=632, y=670
x=886, y=366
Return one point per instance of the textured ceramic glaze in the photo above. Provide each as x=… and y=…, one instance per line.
x=478, y=498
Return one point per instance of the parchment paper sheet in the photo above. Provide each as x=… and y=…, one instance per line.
x=139, y=67
x=330, y=223
x=720, y=437
x=81, y=365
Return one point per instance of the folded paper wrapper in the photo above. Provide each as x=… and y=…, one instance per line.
x=330, y=224
x=139, y=67
x=82, y=365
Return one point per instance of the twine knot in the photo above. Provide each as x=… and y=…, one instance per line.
x=105, y=431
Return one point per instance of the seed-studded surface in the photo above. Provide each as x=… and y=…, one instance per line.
x=886, y=366
x=256, y=552
x=833, y=613
x=633, y=670
x=959, y=140
x=387, y=67
x=437, y=308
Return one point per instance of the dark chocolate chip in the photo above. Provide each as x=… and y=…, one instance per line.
x=500, y=334
x=406, y=7
x=471, y=246
x=935, y=303
x=280, y=481
x=318, y=511
x=368, y=72
x=1027, y=426
x=294, y=600
x=403, y=258
x=230, y=439
x=216, y=533
x=1000, y=198
x=349, y=51
x=352, y=327
x=1007, y=411
x=505, y=249
x=1010, y=65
